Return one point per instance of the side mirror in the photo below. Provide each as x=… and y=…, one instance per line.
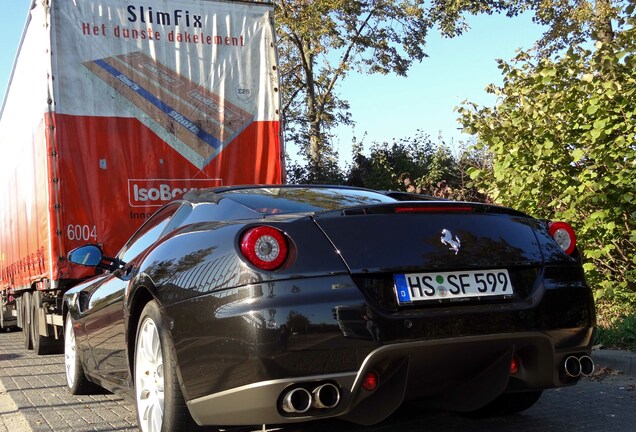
x=88, y=255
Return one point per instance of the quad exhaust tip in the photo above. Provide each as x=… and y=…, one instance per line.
x=576, y=366
x=299, y=400
x=326, y=396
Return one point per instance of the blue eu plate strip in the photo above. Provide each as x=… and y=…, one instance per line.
x=403, y=292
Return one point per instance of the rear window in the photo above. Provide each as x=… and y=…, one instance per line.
x=304, y=200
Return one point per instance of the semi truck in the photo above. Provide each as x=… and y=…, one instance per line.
x=114, y=108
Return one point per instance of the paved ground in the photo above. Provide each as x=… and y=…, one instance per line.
x=36, y=386
x=33, y=397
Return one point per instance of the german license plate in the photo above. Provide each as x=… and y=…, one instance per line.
x=422, y=287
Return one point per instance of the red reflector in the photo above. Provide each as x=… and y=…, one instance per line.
x=370, y=381
x=436, y=209
x=564, y=235
x=514, y=366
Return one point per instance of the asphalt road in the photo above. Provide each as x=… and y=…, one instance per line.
x=33, y=397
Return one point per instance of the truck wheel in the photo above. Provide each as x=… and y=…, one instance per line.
x=160, y=403
x=77, y=383
x=3, y=326
x=41, y=344
x=26, y=327
x=2, y=315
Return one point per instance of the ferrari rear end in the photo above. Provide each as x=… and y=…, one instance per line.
x=458, y=305
x=468, y=301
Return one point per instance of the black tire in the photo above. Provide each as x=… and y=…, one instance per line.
x=26, y=325
x=41, y=344
x=506, y=404
x=176, y=416
x=3, y=325
x=76, y=381
x=2, y=314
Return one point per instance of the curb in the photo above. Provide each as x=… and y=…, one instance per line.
x=624, y=361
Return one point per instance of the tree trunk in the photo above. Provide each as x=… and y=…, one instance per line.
x=313, y=110
x=603, y=21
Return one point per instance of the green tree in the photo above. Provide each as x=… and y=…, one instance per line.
x=418, y=165
x=389, y=164
x=320, y=41
x=567, y=22
x=448, y=175
x=562, y=143
x=571, y=22
x=327, y=172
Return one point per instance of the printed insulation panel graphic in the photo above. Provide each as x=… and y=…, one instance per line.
x=202, y=122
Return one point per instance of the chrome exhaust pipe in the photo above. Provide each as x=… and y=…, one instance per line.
x=326, y=396
x=572, y=367
x=587, y=365
x=297, y=401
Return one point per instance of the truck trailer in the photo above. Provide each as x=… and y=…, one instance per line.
x=142, y=101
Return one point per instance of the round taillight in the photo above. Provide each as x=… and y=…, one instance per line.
x=265, y=247
x=564, y=235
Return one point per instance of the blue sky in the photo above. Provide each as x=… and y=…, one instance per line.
x=457, y=69
x=387, y=107
x=12, y=20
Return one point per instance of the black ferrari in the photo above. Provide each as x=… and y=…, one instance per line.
x=273, y=304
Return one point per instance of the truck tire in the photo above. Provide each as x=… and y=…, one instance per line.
x=41, y=344
x=26, y=327
x=158, y=398
x=76, y=381
x=2, y=317
x=3, y=324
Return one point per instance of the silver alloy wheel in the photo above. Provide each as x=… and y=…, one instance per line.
x=149, y=390
x=69, y=352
